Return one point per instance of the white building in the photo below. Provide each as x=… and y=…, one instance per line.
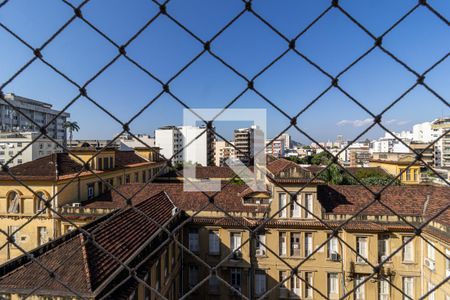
x=389, y=144
x=142, y=140
x=422, y=132
x=441, y=127
x=186, y=143
x=12, y=143
x=40, y=112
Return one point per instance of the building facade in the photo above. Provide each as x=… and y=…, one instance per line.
x=441, y=127
x=307, y=242
x=223, y=151
x=23, y=147
x=40, y=112
x=188, y=144
x=62, y=178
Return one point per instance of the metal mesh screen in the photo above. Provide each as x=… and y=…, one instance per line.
x=251, y=85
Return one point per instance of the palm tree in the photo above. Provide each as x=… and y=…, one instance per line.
x=71, y=126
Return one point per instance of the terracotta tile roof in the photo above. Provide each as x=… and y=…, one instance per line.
x=354, y=225
x=61, y=165
x=278, y=165
x=44, y=168
x=408, y=200
x=81, y=264
x=228, y=199
x=126, y=158
x=352, y=170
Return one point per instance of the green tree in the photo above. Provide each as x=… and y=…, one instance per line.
x=332, y=175
x=322, y=158
x=71, y=126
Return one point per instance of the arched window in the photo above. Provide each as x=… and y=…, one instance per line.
x=14, y=202
x=39, y=203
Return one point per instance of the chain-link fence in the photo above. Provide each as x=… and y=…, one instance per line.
x=257, y=225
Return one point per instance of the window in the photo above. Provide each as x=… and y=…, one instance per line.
x=308, y=285
x=119, y=180
x=100, y=187
x=284, y=286
x=214, y=243
x=39, y=201
x=136, y=177
x=19, y=145
x=431, y=251
x=260, y=283
x=408, y=287
x=111, y=163
x=213, y=285
x=105, y=163
x=332, y=246
x=19, y=161
x=282, y=241
x=260, y=242
x=127, y=178
x=361, y=248
x=309, y=205
x=90, y=190
x=415, y=174
x=296, y=286
x=193, y=240
x=5, y=296
x=383, y=247
x=99, y=163
x=282, y=199
x=431, y=287
x=408, y=174
x=359, y=287
x=236, y=242
x=42, y=235
x=295, y=244
x=384, y=289
x=332, y=283
x=408, y=249
x=14, y=205
x=193, y=275
x=236, y=278
x=308, y=243
x=295, y=208
x=144, y=176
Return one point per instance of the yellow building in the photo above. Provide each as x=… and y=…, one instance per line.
x=285, y=249
x=395, y=164
x=61, y=178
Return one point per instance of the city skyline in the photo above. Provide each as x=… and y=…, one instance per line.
x=291, y=82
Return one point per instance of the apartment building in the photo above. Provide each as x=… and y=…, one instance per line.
x=223, y=152
x=62, y=176
x=23, y=147
x=40, y=112
x=291, y=234
x=188, y=144
x=275, y=148
x=441, y=127
x=245, y=140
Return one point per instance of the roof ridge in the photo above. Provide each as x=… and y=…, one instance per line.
x=86, y=262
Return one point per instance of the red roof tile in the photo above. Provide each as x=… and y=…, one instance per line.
x=80, y=263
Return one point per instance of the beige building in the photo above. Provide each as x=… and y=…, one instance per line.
x=223, y=151
x=62, y=178
x=293, y=252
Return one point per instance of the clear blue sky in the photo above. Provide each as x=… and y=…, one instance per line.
x=248, y=45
